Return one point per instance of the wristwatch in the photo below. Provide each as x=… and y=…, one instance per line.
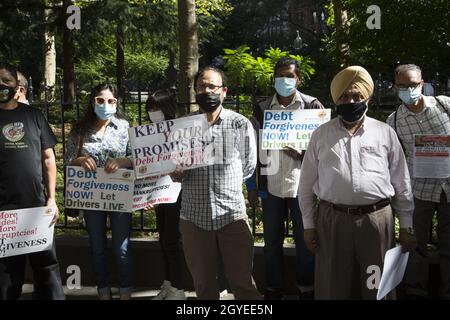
x=408, y=230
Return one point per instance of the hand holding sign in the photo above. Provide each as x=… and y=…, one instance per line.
x=295, y=154
x=87, y=163
x=51, y=203
x=178, y=174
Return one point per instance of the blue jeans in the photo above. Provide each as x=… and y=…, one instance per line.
x=275, y=213
x=121, y=229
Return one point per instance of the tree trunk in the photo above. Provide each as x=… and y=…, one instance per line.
x=68, y=66
x=187, y=32
x=49, y=57
x=340, y=21
x=120, y=59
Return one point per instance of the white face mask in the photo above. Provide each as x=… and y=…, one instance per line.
x=156, y=116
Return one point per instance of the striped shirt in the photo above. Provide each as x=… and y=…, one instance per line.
x=432, y=120
x=212, y=196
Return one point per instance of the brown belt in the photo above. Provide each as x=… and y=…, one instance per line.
x=360, y=210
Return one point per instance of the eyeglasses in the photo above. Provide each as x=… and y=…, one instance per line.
x=356, y=96
x=101, y=100
x=412, y=86
x=210, y=86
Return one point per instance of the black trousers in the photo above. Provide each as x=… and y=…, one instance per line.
x=167, y=220
x=46, y=275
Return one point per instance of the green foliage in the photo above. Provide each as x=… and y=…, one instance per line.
x=150, y=33
x=245, y=71
x=145, y=67
x=414, y=31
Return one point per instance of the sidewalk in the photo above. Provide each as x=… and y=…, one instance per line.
x=90, y=293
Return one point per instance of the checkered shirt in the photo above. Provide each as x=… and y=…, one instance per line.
x=432, y=120
x=212, y=196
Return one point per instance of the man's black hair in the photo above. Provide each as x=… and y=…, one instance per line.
x=287, y=61
x=11, y=69
x=211, y=68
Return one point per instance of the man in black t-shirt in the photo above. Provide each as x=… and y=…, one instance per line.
x=27, y=162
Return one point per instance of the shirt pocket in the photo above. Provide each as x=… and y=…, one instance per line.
x=332, y=160
x=373, y=159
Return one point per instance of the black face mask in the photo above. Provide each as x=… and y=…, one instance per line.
x=351, y=112
x=6, y=93
x=208, y=102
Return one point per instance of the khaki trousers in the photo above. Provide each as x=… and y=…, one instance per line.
x=348, y=247
x=234, y=243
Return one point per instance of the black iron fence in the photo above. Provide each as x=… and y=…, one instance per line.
x=62, y=115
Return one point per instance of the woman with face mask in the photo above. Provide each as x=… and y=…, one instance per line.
x=100, y=140
x=162, y=106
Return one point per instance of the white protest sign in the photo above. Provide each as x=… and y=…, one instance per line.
x=98, y=190
x=155, y=190
x=291, y=128
x=431, y=156
x=158, y=148
x=26, y=230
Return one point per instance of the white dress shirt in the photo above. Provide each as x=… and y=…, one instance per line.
x=284, y=184
x=355, y=169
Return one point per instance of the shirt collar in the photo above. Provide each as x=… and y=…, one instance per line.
x=342, y=127
x=295, y=99
x=114, y=122
x=222, y=115
x=427, y=103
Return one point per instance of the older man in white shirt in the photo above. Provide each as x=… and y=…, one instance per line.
x=356, y=167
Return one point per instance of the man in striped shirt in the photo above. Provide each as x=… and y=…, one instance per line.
x=213, y=218
x=421, y=114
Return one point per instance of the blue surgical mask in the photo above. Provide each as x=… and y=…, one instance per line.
x=105, y=111
x=285, y=86
x=410, y=96
x=156, y=116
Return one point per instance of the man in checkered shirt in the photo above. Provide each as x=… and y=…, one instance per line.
x=421, y=114
x=213, y=217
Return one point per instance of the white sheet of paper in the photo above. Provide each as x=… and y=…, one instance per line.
x=393, y=271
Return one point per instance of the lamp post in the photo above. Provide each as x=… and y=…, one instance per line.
x=298, y=42
x=436, y=84
x=379, y=86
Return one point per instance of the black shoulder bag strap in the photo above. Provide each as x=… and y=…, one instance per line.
x=395, y=129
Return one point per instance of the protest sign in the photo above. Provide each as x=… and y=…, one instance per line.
x=158, y=148
x=98, y=190
x=431, y=156
x=155, y=190
x=291, y=128
x=25, y=231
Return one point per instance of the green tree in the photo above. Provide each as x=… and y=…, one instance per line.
x=245, y=71
x=414, y=31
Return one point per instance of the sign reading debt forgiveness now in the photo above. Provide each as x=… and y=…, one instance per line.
x=291, y=128
x=26, y=230
x=158, y=148
x=98, y=190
